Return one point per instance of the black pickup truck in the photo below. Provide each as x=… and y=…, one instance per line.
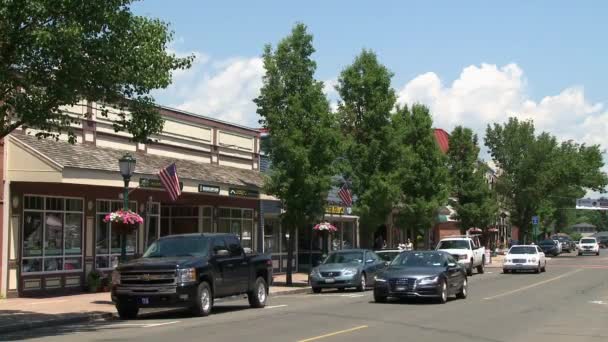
x=190, y=271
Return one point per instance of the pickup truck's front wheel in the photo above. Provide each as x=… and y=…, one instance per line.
x=204, y=300
x=481, y=268
x=257, y=297
x=127, y=311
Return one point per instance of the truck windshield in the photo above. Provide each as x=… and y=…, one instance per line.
x=197, y=246
x=453, y=244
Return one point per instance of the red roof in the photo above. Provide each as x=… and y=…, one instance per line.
x=443, y=139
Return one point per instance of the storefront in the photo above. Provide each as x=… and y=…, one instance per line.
x=60, y=193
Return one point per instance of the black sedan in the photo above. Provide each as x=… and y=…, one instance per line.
x=549, y=247
x=422, y=274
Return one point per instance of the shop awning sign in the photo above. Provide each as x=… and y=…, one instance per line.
x=154, y=183
x=243, y=193
x=334, y=210
x=592, y=204
x=209, y=189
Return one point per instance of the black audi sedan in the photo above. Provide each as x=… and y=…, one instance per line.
x=549, y=247
x=422, y=274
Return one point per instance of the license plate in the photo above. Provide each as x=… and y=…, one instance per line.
x=519, y=265
x=329, y=281
x=400, y=288
x=144, y=300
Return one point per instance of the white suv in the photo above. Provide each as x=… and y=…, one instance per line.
x=467, y=250
x=588, y=245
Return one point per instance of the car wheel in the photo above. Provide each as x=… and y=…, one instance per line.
x=259, y=295
x=597, y=254
x=378, y=298
x=579, y=253
x=544, y=269
x=537, y=270
x=363, y=285
x=443, y=295
x=204, y=300
x=481, y=268
x=505, y=271
x=464, y=290
x=470, y=269
x=127, y=311
x=316, y=289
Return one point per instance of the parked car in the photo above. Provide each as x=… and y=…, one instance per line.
x=350, y=268
x=589, y=245
x=525, y=257
x=559, y=246
x=603, y=241
x=466, y=250
x=549, y=247
x=388, y=254
x=422, y=274
x=190, y=271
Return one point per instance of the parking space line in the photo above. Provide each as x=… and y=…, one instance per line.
x=533, y=285
x=334, y=333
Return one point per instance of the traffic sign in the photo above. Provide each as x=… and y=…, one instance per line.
x=534, y=219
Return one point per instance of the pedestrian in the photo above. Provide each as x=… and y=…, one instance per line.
x=409, y=245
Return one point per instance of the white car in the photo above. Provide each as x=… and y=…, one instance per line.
x=467, y=250
x=525, y=257
x=588, y=245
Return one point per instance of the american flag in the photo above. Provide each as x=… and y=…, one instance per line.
x=168, y=176
x=345, y=196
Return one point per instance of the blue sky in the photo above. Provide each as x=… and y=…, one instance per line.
x=472, y=62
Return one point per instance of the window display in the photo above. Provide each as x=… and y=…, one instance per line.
x=52, y=234
x=238, y=222
x=107, y=243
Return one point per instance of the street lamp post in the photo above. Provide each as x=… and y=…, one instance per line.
x=127, y=167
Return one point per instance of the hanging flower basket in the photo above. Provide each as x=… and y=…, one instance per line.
x=325, y=226
x=124, y=220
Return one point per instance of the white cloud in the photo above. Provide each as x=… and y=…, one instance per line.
x=218, y=88
x=487, y=94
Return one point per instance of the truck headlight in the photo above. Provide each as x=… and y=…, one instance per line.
x=186, y=275
x=463, y=257
x=349, y=272
x=428, y=280
x=533, y=260
x=115, y=277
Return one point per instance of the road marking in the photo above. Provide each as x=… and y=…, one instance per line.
x=334, y=333
x=600, y=302
x=48, y=302
x=533, y=285
x=276, y=306
x=144, y=325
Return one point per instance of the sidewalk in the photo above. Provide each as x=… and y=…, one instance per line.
x=27, y=313
x=497, y=261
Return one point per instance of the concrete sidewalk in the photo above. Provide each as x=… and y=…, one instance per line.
x=28, y=313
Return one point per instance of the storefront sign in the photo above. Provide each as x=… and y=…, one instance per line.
x=243, y=193
x=210, y=189
x=592, y=204
x=334, y=210
x=154, y=183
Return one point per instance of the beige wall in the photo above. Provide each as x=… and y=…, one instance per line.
x=24, y=166
x=116, y=143
x=236, y=141
x=175, y=153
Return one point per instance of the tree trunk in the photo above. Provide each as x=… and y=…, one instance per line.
x=290, y=249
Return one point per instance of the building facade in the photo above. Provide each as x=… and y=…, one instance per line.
x=55, y=195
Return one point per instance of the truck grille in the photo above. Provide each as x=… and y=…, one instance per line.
x=406, y=283
x=519, y=261
x=148, y=277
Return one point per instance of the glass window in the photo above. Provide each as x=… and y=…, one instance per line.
x=238, y=222
x=218, y=244
x=247, y=234
x=52, y=234
x=207, y=225
x=271, y=236
x=233, y=246
x=348, y=235
x=107, y=242
x=152, y=233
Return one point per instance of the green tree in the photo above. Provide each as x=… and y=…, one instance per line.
x=372, y=154
x=55, y=53
x=303, y=142
x=424, y=183
x=538, y=173
x=473, y=200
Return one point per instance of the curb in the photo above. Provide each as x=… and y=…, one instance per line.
x=86, y=317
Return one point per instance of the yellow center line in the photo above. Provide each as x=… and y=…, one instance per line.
x=334, y=333
x=533, y=285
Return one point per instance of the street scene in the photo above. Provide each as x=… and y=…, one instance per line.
x=312, y=171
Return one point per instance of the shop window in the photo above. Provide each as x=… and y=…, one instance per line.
x=271, y=235
x=108, y=243
x=152, y=222
x=238, y=222
x=52, y=234
x=348, y=235
x=185, y=219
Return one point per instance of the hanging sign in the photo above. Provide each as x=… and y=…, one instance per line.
x=209, y=189
x=243, y=193
x=154, y=183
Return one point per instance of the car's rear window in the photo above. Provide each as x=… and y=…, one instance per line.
x=522, y=250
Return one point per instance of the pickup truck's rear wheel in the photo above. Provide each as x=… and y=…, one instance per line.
x=481, y=268
x=127, y=311
x=470, y=268
x=259, y=295
x=203, y=301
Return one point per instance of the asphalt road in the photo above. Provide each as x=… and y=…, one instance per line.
x=567, y=303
